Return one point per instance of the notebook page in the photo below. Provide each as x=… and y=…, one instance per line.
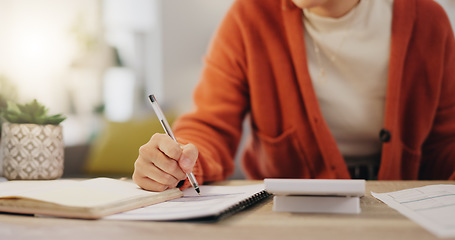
x=432, y=206
x=87, y=193
x=213, y=200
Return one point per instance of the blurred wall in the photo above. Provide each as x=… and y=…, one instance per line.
x=164, y=45
x=449, y=6
x=187, y=27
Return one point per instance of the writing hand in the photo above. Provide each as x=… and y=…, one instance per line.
x=162, y=163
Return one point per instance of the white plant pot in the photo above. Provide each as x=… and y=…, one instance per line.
x=32, y=151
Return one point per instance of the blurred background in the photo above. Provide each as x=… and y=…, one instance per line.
x=96, y=61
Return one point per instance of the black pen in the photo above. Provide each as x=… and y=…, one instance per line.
x=168, y=130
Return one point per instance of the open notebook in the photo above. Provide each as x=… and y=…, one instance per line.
x=214, y=203
x=91, y=199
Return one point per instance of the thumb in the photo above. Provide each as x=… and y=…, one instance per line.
x=188, y=158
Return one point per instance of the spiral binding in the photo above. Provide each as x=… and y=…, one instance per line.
x=242, y=205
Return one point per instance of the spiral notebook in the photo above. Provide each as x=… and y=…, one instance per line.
x=214, y=203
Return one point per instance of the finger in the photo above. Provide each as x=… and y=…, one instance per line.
x=188, y=158
x=151, y=171
x=141, y=179
x=151, y=159
x=171, y=167
x=166, y=156
x=147, y=183
x=166, y=145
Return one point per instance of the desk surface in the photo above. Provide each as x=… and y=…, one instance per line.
x=377, y=221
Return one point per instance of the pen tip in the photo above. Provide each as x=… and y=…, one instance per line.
x=152, y=98
x=198, y=191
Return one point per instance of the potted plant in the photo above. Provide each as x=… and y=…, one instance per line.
x=32, y=142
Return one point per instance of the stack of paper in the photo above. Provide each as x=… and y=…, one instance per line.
x=316, y=195
x=432, y=206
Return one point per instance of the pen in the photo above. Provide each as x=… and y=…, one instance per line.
x=168, y=130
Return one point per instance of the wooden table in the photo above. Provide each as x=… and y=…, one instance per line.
x=377, y=221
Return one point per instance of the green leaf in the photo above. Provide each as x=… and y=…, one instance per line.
x=32, y=112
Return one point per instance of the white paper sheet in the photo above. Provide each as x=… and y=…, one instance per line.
x=433, y=207
x=212, y=201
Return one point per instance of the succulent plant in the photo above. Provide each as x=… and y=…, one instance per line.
x=32, y=112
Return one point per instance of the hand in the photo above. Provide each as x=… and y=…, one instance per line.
x=162, y=163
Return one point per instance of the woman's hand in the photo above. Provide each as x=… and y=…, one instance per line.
x=162, y=163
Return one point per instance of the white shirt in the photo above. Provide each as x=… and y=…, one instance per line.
x=354, y=57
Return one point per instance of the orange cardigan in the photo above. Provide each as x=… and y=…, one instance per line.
x=256, y=67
